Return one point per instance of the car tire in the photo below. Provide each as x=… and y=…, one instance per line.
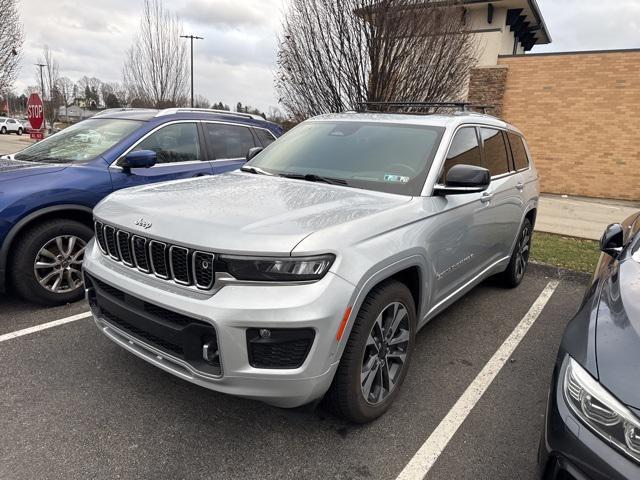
x=19, y=132
x=513, y=275
x=3, y=130
x=64, y=241
x=347, y=395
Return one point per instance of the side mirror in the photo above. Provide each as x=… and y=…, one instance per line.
x=465, y=179
x=612, y=241
x=139, y=159
x=253, y=152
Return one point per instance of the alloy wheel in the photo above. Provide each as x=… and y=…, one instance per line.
x=385, y=353
x=57, y=266
x=522, y=251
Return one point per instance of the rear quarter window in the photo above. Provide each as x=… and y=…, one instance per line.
x=518, y=150
x=266, y=138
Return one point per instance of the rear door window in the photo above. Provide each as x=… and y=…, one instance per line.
x=464, y=150
x=228, y=142
x=495, y=151
x=519, y=152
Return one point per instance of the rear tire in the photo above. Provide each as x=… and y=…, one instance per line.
x=513, y=275
x=3, y=130
x=19, y=132
x=46, y=262
x=382, y=335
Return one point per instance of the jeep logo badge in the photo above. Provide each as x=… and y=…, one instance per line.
x=141, y=222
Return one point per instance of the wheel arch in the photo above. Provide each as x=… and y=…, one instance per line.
x=79, y=213
x=411, y=271
x=532, y=214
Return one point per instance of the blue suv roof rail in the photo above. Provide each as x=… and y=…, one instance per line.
x=108, y=111
x=172, y=111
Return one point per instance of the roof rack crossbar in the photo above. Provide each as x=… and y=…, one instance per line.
x=417, y=106
x=171, y=111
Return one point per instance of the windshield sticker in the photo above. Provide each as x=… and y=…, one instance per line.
x=396, y=178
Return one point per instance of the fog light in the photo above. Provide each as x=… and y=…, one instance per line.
x=210, y=352
x=265, y=333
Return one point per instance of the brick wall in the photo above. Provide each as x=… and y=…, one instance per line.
x=487, y=87
x=581, y=116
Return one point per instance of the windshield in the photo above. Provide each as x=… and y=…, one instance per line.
x=371, y=155
x=80, y=142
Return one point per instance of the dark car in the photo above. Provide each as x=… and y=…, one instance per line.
x=592, y=429
x=48, y=190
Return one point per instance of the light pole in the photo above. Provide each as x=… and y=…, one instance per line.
x=44, y=117
x=192, y=38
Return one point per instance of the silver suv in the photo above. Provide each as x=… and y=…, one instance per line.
x=308, y=273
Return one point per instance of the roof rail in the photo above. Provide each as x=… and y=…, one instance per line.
x=417, y=107
x=172, y=111
x=107, y=111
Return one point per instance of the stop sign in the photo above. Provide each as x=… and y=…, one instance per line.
x=35, y=111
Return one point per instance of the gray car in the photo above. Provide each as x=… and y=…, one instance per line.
x=308, y=273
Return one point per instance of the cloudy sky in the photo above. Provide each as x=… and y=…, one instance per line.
x=236, y=60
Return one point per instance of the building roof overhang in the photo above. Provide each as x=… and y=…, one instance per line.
x=523, y=17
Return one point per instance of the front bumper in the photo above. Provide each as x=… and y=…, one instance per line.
x=571, y=450
x=232, y=311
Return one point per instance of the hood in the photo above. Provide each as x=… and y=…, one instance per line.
x=240, y=212
x=11, y=169
x=618, y=333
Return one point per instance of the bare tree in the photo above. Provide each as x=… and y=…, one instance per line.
x=50, y=76
x=65, y=87
x=201, y=102
x=335, y=54
x=11, y=38
x=155, y=70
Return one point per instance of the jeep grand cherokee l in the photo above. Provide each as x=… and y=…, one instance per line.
x=308, y=273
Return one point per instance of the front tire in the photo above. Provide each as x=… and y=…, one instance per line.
x=47, y=260
x=3, y=130
x=377, y=355
x=513, y=275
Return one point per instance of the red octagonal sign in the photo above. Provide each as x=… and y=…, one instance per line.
x=35, y=111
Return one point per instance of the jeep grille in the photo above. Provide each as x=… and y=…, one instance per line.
x=176, y=263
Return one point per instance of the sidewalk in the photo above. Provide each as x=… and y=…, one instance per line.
x=579, y=216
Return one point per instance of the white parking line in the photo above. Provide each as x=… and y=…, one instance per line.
x=419, y=466
x=44, y=326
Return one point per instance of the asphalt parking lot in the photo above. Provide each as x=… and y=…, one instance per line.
x=12, y=143
x=74, y=405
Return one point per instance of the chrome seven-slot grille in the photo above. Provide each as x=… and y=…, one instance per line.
x=183, y=265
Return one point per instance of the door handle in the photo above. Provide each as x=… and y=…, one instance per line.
x=486, y=197
x=520, y=186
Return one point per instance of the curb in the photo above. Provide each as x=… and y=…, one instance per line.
x=560, y=273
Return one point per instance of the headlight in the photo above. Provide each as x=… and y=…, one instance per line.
x=285, y=269
x=601, y=411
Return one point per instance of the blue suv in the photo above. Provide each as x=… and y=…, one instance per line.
x=47, y=190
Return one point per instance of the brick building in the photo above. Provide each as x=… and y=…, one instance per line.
x=578, y=110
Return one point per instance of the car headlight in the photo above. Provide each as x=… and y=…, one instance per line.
x=601, y=411
x=272, y=269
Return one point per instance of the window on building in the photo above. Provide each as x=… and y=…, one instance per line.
x=228, y=141
x=174, y=143
x=464, y=150
x=518, y=151
x=496, y=158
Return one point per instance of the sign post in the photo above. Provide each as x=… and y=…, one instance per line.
x=35, y=113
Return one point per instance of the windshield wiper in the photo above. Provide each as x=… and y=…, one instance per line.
x=256, y=170
x=312, y=177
